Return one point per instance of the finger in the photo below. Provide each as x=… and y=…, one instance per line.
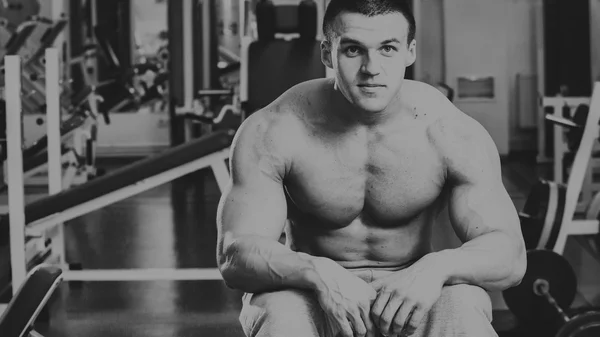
x=357, y=323
x=403, y=316
x=366, y=318
x=378, y=306
x=387, y=316
x=415, y=320
x=345, y=328
x=377, y=284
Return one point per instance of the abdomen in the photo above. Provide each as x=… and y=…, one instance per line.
x=360, y=244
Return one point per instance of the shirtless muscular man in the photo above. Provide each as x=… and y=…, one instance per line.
x=359, y=166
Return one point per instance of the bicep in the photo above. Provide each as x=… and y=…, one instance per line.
x=477, y=208
x=254, y=203
x=254, y=208
x=478, y=201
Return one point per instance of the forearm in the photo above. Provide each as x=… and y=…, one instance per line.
x=493, y=261
x=255, y=264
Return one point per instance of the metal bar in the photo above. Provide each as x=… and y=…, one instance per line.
x=188, y=53
x=215, y=92
x=43, y=224
x=16, y=193
x=143, y=274
x=53, y=121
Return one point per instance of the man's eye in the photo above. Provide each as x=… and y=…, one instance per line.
x=388, y=49
x=352, y=50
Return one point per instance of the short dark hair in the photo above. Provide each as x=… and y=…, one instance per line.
x=368, y=8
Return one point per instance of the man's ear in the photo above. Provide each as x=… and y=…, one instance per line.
x=412, y=53
x=326, y=54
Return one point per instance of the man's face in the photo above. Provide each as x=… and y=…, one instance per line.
x=369, y=56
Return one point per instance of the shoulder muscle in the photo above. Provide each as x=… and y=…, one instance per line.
x=466, y=147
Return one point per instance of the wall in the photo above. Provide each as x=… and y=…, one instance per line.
x=595, y=37
x=476, y=44
x=497, y=38
x=522, y=74
x=429, y=67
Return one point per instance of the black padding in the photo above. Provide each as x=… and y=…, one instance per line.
x=28, y=301
x=265, y=20
x=18, y=39
x=275, y=66
x=40, y=146
x=534, y=213
x=560, y=211
x=128, y=175
x=307, y=19
x=48, y=40
x=286, y=19
x=40, y=159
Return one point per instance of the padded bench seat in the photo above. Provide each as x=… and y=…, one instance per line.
x=126, y=176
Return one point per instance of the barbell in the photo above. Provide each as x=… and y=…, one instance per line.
x=545, y=295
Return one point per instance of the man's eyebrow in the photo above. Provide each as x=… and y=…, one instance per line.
x=392, y=40
x=347, y=40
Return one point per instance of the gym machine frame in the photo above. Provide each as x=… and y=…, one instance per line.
x=570, y=225
x=557, y=104
x=18, y=227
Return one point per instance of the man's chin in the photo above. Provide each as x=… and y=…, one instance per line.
x=371, y=105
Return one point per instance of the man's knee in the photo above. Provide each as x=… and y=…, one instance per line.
x=461, y=310
x=464, y=299
x=280, y=313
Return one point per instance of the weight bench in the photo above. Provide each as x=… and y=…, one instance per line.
x=43, y=214
x=48, y=214
x=18, y=318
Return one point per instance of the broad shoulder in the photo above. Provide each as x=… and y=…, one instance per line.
x=272, y=133
x=464, y=145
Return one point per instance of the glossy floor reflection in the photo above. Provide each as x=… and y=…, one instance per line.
x=169, y=226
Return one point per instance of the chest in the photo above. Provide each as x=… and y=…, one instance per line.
x=391, y=179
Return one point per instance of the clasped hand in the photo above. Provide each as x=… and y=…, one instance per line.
x=404, y=298
x=394, y=305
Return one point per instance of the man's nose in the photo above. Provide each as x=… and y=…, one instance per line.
x=371, y=64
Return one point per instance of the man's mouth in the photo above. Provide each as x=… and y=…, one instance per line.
x=371, y=85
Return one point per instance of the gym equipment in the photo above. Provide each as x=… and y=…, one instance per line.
x=18, y=11
x=547, y=218
x=282, y=30
x=37, y=218
x=546, y=293
x=26, y=305
x=77, y=136
x=559, y=111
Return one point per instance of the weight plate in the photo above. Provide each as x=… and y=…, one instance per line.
x=534, y=213
x=542, y=264
x=556, y=222
x=582, y=325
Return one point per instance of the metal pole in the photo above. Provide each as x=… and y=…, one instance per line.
x=16, y=193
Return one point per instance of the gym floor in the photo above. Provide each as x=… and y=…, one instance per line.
x=174, y=226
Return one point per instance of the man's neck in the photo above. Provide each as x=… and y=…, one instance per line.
x=356, y=116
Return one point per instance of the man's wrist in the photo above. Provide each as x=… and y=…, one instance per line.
x=310, y=275
x=441, y=263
